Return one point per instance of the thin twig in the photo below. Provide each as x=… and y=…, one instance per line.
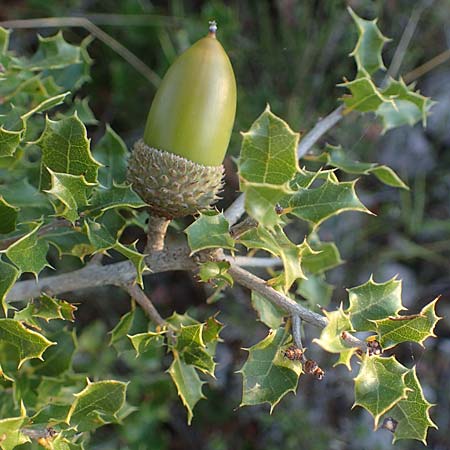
x=427, y=67
x=156, y=233
x=145, y=303
x=248, y=261
x=297, y=330
x=82, y=22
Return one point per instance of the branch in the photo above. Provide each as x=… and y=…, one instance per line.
x=256, y=284
x=296, y=330
x=236, y=209
x=156, y=232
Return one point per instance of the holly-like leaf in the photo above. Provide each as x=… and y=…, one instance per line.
x=137, y=259
x=267, y=375
x=319, y=204
x=380, y=385
x=367, y=52
x=267, y=312
x=72, y=156
x=115, y=197
x=46, y=308
x=211, y=331
x=415, y=328
x=11, y=435
x=142, y=342
x=278, y=244
x=337, y=157
x=188, y=383
x=72, y=191
x=374, y=301
x=112, y=153
x=210, y=230
x=27, y=344
x=331, y=336
x=8, y=216
x=412, y=413
x=68, y=241
x=192, y=348
x=97, y=404
x=215, y=270
x=315, y=290
x=53, y=53
x=29, y=252
x=267, y=163
x=8, y=276
x=325, y=256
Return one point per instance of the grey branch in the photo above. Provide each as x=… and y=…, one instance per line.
x=145, y=303
x=236, y=209
x=297, y=330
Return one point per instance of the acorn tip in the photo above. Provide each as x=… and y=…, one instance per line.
x=212, y=28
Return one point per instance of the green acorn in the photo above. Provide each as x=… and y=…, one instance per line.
x=176, y=168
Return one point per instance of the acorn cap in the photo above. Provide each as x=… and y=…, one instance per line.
x=171, y=185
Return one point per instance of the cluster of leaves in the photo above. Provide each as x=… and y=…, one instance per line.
x=55, y=192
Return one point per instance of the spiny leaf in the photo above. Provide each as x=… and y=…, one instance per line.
x=380, y=385
x=27, y=344
x=278, y=244
x=267, y=375
x=73, y=155
x=68, y=241
x=211, y=331
x=142, y=342
x=210, y=230
x=137, y=259
x=72, y=191
x=337, y=157
x=97, y=404
x=315, y=290
x=267, y=312
x=10, y=432
x=367, y=52
x=115, y=197
x=188, y=383
x=331, y=336
x=29, y=252
x=373, y=301
x=412, y=413
x=111, y=151
x=415, y=328
x=267, y=163
x=8, y=276
x=324, y=256
x=319, y=204
x=8, y=216
x=215, y=270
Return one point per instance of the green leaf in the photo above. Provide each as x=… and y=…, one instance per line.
x=215, y=270
x=112, y=153
x=46, y=308
x=315, y=290
x=73, y=192
x=210, y=230
x=29, y=252
x=188, y=383
x=45, y=105
x=4, y=40
x=142, y=342
x=325, y=256
x=413, y=412
x=137, y=259
x=9, y=141
x=380, y=384
x=27, y=344
x=337, y=157
x=367, y=52
x=97, y=404
x=211, y=331
x=331, y=336
x=267, y=312
x=267, y=163
x=8, y=216
x=278, y=244
x=53, y=53
x=122, y=328
x=331, y=198
x=72, y=156
x=68, y=241
x=374, y=301
x=115, y=197
x=416, y=328
x=267, y=375
x=10, y=431
x=8, y=276
x=192, y=348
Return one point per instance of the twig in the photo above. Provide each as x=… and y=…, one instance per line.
x=146, y=304
x=248, y=261
x=353, y=341
x=427, y=67
x=297, y=330
x=256, y=284
x=156, y=232
x=82, y=22
x=236, y=209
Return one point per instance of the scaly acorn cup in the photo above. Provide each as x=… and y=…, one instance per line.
x=176, y=168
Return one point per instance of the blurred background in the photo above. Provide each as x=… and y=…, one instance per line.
x=291, y=54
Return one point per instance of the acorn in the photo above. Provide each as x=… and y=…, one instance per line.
x=177, y=167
